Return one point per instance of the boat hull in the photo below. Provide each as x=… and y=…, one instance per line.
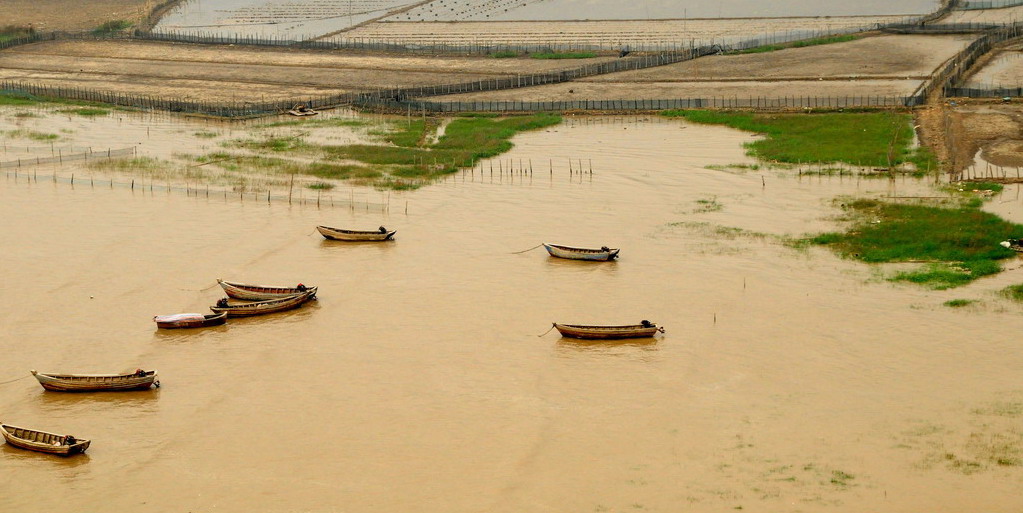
x=606, y=332
x=41, y=441
x=96, y=383
x=265, y=307
x=570, y=253
x=354, y=236
x=259, y=292
x=207, y=321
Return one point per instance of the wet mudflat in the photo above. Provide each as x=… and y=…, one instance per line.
x=788, y=380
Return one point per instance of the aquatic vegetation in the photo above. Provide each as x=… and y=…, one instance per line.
x=22, y=133
x=875, y=139
x=959, y=303
x=1013, y=292
x=959, y=243
x=85, y=111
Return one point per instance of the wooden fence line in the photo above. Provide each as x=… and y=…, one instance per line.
x=390, y=99
x=61, y=157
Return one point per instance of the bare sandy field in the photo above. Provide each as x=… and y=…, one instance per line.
x=1004, y=15
x=894, y=57
x=71, y=15
x=672, y=90
x=219, y=73
x=606, y=34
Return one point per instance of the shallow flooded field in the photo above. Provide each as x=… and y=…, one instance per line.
x=788, y=379
x=311, y=18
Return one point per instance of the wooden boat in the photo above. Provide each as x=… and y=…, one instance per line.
x=302, y=110
x=41, y=441
x=263, y=307
x=381, y=234
x=602, y=254
x=644, y=329
x=189, y=320
x=138, y=380
x=260, y=292
x=1013, y=244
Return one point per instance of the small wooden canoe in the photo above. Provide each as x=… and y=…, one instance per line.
x=302, y=110
x=41, y=441
x=356, y=236
x=261, y=292
x=645, y=329
x=264, y=307
x=191, y=320
x=138, y=380
x=603, y=254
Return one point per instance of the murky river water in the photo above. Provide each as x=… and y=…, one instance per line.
x=787, y=380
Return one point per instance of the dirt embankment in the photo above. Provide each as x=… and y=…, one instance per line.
x=993, y=129
x=886, y=65
x=240, y=73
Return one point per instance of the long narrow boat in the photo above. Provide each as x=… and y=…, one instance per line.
x=189, y=320
x=263, y=307
x=41, y=441
x=644, y=329
x=260, y=292
x=603, y=254
x=138, y=380
x=356, y=236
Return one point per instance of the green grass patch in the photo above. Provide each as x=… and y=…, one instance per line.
x=563, y=55
x=206, y=134
x=111, y=27
x=410, y=134
x=11, y=32
x=856, y=138
x=85, y=111
x=960, y=242
x=320, y=186
x=758, y=49
x=504, y=54
x=959, y=303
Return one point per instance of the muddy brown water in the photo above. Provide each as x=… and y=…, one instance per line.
x=788, y=380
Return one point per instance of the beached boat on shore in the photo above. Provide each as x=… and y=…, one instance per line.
x=189, y=320
x=603, y=254
x=644, y=329
x=261, y=292
x=379, y=235
x=1013, y=244
x=138, y=380
x=41, y=441
x=263, y=307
